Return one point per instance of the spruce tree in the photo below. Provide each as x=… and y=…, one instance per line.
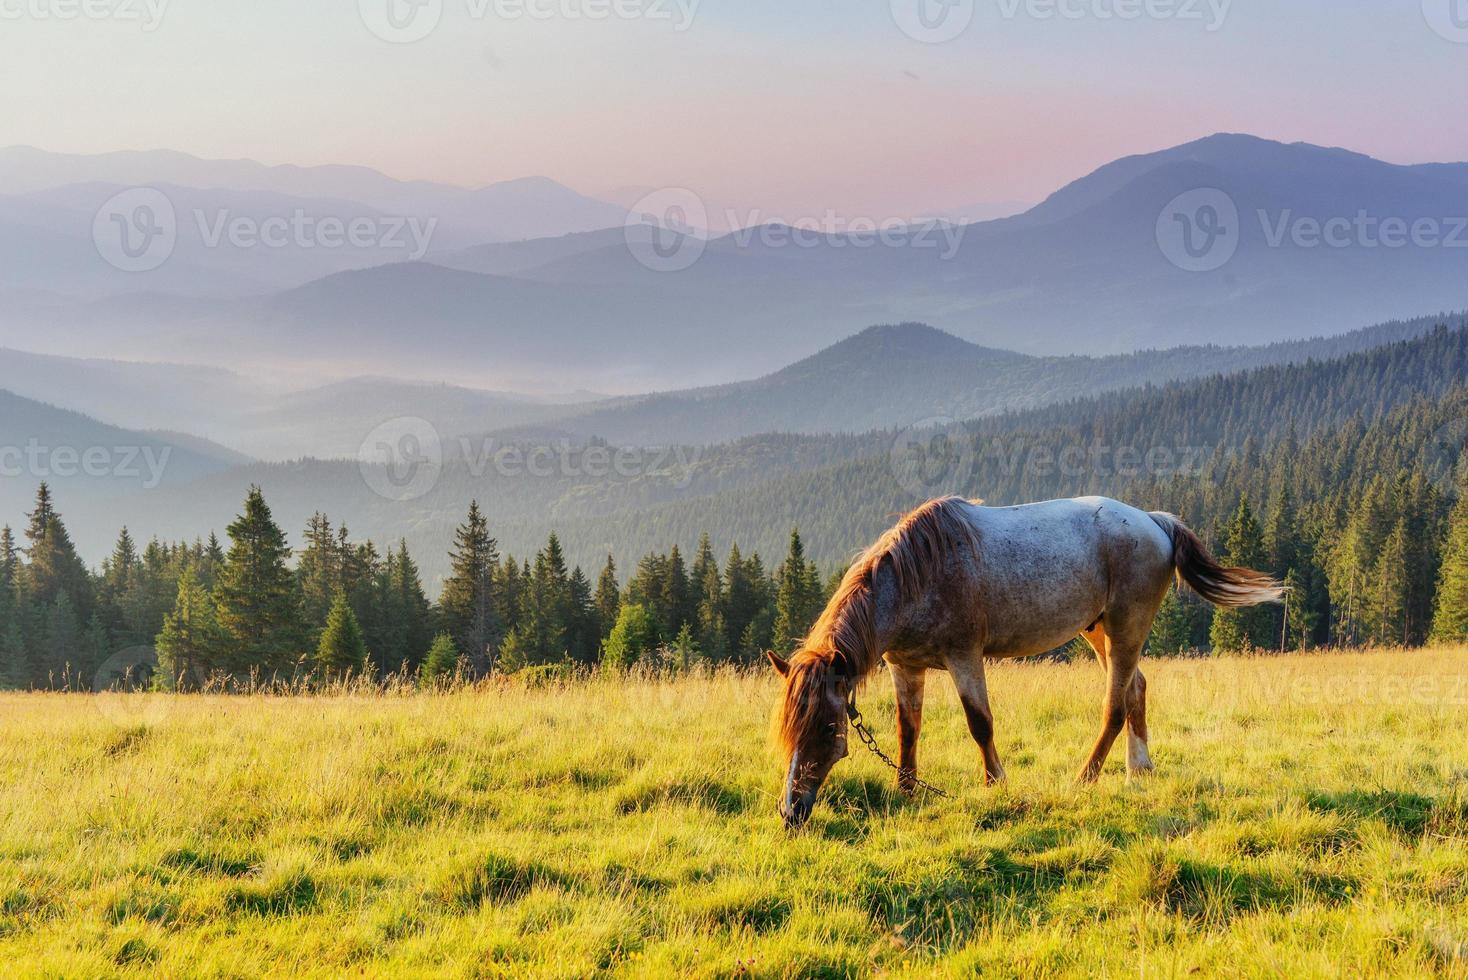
x=797, y=597
x=1450, y=618
x=257, y=595
x=342, y=651
x=54, y=567
x=608, y=599
x=633, y=638
x=441, y=662
x=1251, y=627
x=192, y=646
x=320, y=573
x=468, y=600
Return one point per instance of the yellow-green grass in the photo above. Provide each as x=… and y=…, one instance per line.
x=1308, y=818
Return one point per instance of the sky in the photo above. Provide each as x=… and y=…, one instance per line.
x=785, y=108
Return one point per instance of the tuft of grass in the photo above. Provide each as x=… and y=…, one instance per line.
x=595, y=827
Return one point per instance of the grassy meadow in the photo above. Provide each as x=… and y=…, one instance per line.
x=1309, y=817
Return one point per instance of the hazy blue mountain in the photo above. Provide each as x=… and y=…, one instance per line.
x=530, y=207
x=840, y=487
x=1082, y=272
x=902, y=375
x=90, y=462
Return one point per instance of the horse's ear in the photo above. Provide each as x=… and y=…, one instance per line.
x=779, y=663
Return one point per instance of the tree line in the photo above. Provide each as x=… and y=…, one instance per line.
x=250, y=610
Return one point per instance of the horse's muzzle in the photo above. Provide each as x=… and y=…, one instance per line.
x=797, y=811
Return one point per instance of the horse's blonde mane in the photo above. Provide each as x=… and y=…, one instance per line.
x=844, y=639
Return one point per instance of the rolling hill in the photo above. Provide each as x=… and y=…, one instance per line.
x=841, y=488
x=1083, y=272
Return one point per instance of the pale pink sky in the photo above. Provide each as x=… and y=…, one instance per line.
x=788, y=107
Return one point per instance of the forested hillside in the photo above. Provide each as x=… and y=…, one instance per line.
x=1345, y=478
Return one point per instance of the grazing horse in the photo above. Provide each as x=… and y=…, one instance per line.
x=956, y=583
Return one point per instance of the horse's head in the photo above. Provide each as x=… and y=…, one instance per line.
x=810, y=725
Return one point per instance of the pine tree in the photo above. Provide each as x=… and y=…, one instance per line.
x=1450, y=619
x=64, y=647
x=417, y=632
x=634, y=637
x=320, y=573
x=585, y=632
x=797, y=598
x=1252, y=627
x=16, y=671
x=1172, y=630
x=257, y=595
x=54, y=568
x=441, y=662
x=468, y=600
x=342, y=650
x=608, y=599
x=192, y=646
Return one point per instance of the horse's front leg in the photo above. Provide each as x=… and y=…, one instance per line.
x=973, y=691
x=909, y=684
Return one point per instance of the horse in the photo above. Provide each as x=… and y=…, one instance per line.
x=955, y=583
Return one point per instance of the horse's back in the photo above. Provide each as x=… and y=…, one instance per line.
x=1049, y=569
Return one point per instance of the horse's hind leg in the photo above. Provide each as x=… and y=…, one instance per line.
x=973, y=691
x=1138, y=758
x=909, y=685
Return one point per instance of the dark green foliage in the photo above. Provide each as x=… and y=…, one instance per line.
x=192, y=646
x=342, y=651
x=468, y=600
x=258, y=596
x=441, y=662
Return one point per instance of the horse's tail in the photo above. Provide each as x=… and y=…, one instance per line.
x=1214, y=581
